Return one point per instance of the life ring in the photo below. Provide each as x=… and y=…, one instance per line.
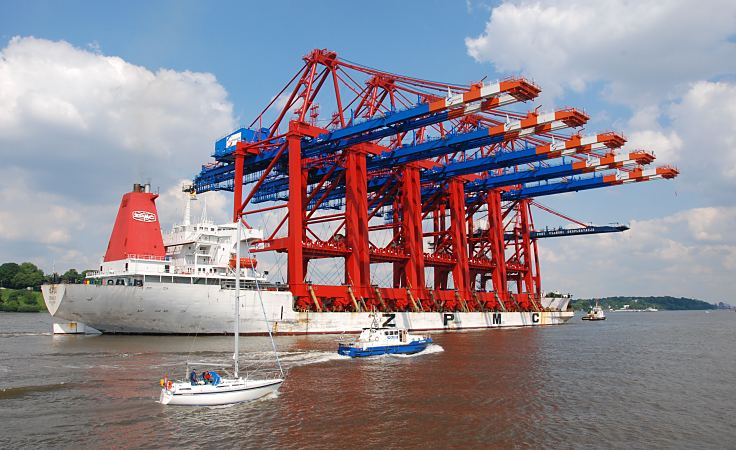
x=169, y=385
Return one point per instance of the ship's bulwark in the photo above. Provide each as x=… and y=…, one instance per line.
x=160, y=308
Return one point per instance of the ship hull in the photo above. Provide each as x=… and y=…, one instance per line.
x=159, y=308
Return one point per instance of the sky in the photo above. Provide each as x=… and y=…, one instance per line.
x=95, y=96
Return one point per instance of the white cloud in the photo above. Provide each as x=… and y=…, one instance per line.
x=43, y=217
x=78, y=128
x=705, y=118
x=105, y=108
x=641, y=51
x=666, y=146
x=699, y=137
x=689, y=253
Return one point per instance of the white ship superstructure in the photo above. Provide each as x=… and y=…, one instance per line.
x=189, y=287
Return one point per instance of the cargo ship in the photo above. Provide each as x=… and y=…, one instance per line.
x=184, y=283
x=433, y=182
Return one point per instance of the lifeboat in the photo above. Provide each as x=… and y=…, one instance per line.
x=246, y=263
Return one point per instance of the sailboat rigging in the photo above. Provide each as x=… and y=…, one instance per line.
x=214, y=390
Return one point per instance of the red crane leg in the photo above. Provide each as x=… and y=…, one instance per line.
x=411, y=207
x=399, y=267
x=458, y=230
x=528, y=275
x=495, y=237
x=296, y=263
x=536, y=275
x=440, y=274
x=357, y=263
x=238, y=184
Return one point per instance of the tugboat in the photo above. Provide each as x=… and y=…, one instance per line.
x=375, y=340
x=596, y=313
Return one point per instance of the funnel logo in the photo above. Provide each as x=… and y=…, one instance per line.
x=144, y=216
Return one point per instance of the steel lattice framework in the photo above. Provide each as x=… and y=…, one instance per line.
x=428, y=158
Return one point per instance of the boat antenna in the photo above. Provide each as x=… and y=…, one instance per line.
x=191, y=195
x=204, y=217
x=265, y=317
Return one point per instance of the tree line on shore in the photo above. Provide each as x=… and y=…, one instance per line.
x=28, y=275
x=661, y=303
x=20, y=285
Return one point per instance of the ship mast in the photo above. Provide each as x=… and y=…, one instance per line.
x=236, y=330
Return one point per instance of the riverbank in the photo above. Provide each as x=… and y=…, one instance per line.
x=663, y=303
x=21, y=300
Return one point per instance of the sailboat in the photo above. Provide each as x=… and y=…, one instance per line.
x=224, y=390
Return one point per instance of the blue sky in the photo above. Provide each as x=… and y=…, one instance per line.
x=629, y=65
x=254, y=47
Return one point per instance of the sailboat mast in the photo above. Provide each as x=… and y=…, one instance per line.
x=236, y=331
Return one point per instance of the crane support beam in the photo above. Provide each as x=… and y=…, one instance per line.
x=532, y=124
x=357, y=262
x=539, y=173
x=575, y=184
x=441, y=147
x=425, y=114
x=431, y=168
x=295, y=264
x=580, y=231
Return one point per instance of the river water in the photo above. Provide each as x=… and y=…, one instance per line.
x=637, y=380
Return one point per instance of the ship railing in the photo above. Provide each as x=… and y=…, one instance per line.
x=147, y=257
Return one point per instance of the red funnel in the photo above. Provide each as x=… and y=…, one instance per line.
x=137, y=230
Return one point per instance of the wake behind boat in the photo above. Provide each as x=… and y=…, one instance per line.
x=375, y=340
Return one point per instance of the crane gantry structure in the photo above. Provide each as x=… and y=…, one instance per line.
x=423, y=162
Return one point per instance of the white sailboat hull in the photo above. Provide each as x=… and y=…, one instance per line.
x=226, y=393
x=170, y=308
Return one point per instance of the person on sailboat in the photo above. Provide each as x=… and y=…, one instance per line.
x=193, y=377
x=214, y=378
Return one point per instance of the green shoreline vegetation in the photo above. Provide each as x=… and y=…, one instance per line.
x=20, y=286
x=21, y=300
x=663, y=303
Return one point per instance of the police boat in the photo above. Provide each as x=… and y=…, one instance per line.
x=375, y=340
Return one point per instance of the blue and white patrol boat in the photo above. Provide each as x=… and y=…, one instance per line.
x=375, y=340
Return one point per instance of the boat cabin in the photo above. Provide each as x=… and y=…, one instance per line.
x=383, y=334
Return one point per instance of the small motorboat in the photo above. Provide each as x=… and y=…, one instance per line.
x=375, y=340
x=595, y=313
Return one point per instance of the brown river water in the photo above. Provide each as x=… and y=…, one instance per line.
x=637, y=380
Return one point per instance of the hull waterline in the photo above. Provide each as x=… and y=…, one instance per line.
x=184, y=394
x=158, y=308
